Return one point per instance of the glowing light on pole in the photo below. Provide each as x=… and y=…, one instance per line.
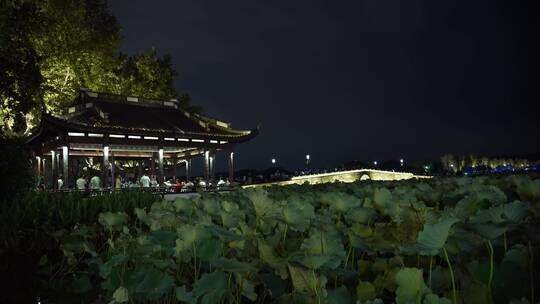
x=307, y=159
x=273, y=161
x=401, y=162
x=375, y=163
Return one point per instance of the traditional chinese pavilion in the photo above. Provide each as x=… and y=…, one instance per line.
x=111, y=127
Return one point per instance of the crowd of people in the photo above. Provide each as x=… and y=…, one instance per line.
x=175, y=184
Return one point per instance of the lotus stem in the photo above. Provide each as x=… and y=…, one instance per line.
x=490, y=249
x=454, y=293
x=531, y=273
x=430, y=268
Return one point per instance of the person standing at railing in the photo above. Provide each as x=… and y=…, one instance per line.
x=145, y=181
x=118, y=182
x=60, y=182
x=154, y=182
x=95, y=183
x=81, y=183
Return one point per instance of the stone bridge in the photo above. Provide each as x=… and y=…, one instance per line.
x=346, y=177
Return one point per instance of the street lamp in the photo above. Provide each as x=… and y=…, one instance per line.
x=307, y=159
x=375, y=163
x=273, y=161
x=401, y=162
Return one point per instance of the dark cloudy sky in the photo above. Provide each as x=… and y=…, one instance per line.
x=362, y=80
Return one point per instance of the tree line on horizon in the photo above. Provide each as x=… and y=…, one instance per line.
x=49, y=49
x=456, y=164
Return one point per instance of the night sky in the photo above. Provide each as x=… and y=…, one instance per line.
x=364, y=80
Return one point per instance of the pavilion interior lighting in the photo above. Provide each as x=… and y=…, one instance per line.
x=213, y=141
x=75, y=134
x=223, y=142
x=197, y=140
x=151, y=137
x=117, y=136
x=134, y=137
x=95, y=135
x=183, y=139
x=169, y=138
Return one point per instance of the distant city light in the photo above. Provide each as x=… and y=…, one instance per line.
x=375, y=163
x=273, y=160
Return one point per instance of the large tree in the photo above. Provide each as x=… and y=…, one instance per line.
x=20, y=76
x=51, y=48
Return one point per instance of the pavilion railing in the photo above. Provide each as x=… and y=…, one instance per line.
x=161, y=191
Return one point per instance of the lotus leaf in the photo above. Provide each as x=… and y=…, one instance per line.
x=433, y=237
x=211, y=287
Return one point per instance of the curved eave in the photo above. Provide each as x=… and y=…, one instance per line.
x=233, y=136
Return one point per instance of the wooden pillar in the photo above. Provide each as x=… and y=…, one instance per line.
x=65, y=165
x=106, y=164
x=206, y=166
x=188, y=169
x=54, y=184
x=44, y=172
x=113, y=177
x=140, y=168
x=231, y=167
x=38, y=167
x=161, y=177
x=152, y=165
x=213, y=166
x=174, y=167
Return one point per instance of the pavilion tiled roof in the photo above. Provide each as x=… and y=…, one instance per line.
x=93, y=112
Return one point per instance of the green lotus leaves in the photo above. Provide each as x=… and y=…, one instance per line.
x=306, y=281
x=329, y=243
x=339, y=202
x=529, y=189
x=434, y=299
x=232, y=265
x=360, y=215
x=182, y=204
x=365, y=291
x=113, y=221
x=268, y=256
x=515, y=211
x=339, y=295
x=298, y=215
x=210, y=205
x=411, y=286
x=325, y=243
x=121, y=295
x=264, y=207
x=433, y=237
x=184, y=296
x=211, y=287
x=209, y=249
x=152, y=283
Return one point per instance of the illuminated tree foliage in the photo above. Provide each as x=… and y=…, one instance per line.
x=20, y=77
x=51, y=48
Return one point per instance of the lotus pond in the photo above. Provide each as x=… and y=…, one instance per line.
x=448, y=240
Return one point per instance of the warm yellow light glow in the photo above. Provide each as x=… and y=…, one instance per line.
x=75, y=134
